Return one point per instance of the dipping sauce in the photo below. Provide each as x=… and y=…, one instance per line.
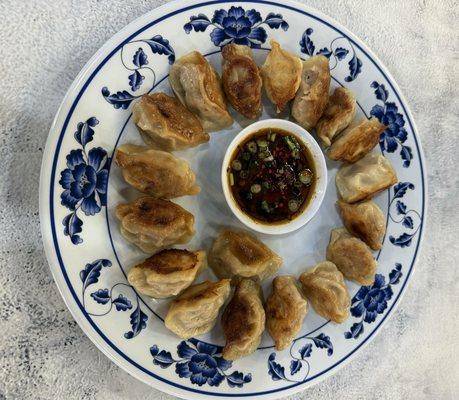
x=272, y=176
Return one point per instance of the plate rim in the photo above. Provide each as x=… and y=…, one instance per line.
x=86, y=324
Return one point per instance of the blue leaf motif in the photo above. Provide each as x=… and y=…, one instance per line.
x=91, y=272
x=355, y=331
x=407, y=156
x=101, y=296
x=295, y=366
x=306, y=44
x=197, y=22
x=119, y=99
x=355, y=67
x=305, y=351
x=325, y=52
x=401, y=207
x=163, y=359
x=93, y=121
x=140, y=58
x=138, y=322
x=341, y=53
x=276, y=371
x=237, y=379
x=380, y=91
x=84, y=133
x=159, y=45
x=122, y=303
x=401, y=188
x=395, y=274
x=72, y=226
x=323, y=342
x=276, y=21
x=408, y=222
x=403, y=240
x=154, y=350
x=135, y=80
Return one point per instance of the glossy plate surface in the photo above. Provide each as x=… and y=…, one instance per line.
x=80, y=187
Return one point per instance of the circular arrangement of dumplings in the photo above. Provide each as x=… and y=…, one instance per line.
x=239, y=260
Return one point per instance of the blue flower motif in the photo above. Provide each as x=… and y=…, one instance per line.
x=236, y=26
x=201, y=362
x=85, y=180
x=372, y=300
x=395, y=133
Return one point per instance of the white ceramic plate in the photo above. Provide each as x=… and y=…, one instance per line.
x=80, y=187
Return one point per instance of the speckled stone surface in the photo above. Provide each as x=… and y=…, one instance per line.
x=45, y=355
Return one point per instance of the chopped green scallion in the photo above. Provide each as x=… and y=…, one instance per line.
x=305, y=177
x=262, y=144
x=236, y=165
x=255, y=188
x=252, y=147
x=293, y=205
x=265, y=206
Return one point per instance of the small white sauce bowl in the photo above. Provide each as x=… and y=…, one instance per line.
x=320, y=169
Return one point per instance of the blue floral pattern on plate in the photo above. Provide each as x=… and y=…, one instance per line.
x=395, y=134
x=89, y=275
x=406, y=219
x=334, y=52
x=201, y=362
x=84, y=180
x=277, y=371
x=236, y=26
x=139, y=62
x=371, y=301
x=198, y=368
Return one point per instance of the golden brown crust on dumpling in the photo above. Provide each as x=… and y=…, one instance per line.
x=240, y=254
x=197, y=85
x=155, y=172
x=166, y=273
x=352, y=257
x=285, y=308
x=241, y=80
x=324, y=287
x=364, y=220
x=365, y=178
x=166, y=124
x=243, y=320
x=356, y=141
x=337, y=116
x=281, y=75
x=195, y=311
x=153, y=224
x=312, y=96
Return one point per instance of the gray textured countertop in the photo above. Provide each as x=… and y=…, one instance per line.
x=45, y=355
